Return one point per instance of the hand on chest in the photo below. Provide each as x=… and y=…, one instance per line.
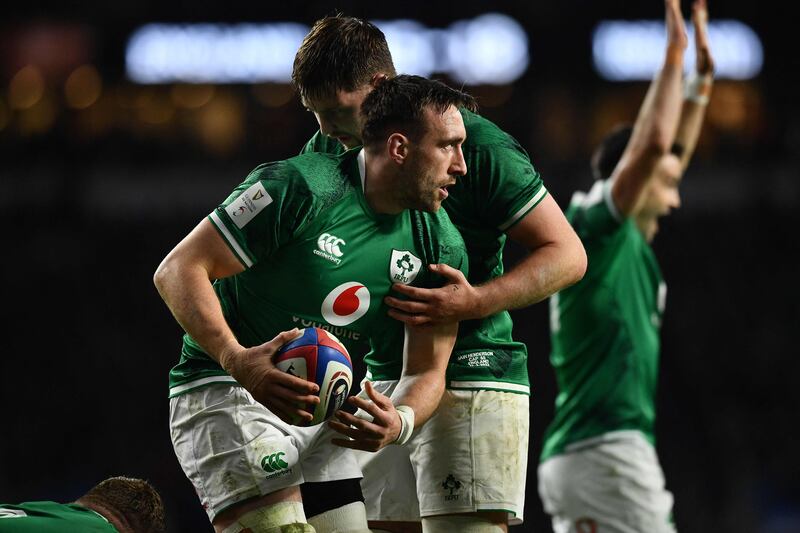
x=344, y=269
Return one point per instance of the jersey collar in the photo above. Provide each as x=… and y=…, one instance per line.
x=362, y=169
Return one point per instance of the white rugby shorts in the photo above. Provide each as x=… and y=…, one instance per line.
x=608, y=484
x=232, y=448
x=471, y=455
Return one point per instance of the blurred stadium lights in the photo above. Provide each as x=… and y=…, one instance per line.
x=26, y=88
x=633, y=50
x=83, y=87
x=489, y=49
x=213, y=53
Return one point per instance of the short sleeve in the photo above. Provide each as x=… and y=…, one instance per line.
x=500, y=174
x=263, y=212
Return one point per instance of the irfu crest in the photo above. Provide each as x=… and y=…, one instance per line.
x=404, y=266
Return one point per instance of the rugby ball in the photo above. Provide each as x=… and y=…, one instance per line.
x=318, y=356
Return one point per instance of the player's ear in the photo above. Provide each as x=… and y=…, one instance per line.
x=397, y=144
x=377, y=79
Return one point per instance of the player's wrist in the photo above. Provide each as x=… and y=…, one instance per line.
x=697, y=88
x=487, y=301
x=674, y=54
x=406, y=415
x=227, y=358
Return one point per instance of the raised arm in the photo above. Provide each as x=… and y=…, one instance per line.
x=654, y=131
x=425, y=355
x=184, y=281
x=698, y=86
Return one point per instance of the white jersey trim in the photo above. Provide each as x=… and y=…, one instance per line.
x=524, y=209
x=243, y=257
x=362, y=169
x=610, y=436
x=180, y=389
x=98, y=514
x=493, y=385
x=600, y=192
x=610, y=201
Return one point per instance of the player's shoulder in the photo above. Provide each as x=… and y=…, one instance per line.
x=440, y=242
x=323, y=177
x=598, y=196
x=485, y=135
x=437, y=230
x=322, y=143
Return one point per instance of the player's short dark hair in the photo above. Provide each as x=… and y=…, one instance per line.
x=135, y=502
x=399, y=103
x=609, y=151
x=340, y=53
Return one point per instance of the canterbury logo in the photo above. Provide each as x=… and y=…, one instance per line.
x=330, y=244
x=273, y=463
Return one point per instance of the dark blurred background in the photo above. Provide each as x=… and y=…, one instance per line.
x=101, y=176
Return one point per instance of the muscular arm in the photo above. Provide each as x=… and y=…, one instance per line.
x=184, y=281
x=657, y=122
x=425, y=355
x=556, y=259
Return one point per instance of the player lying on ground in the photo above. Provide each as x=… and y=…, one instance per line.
x=115, y=505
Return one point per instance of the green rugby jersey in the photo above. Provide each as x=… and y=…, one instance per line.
x=317, y=255
x=499, y=189
x=605, y=329
x=51, y=517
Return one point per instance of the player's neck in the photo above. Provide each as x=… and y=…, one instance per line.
x=647, y=226
x=113, y=517
x=380, y=184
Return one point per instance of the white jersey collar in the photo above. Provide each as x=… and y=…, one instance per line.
x=362, y=169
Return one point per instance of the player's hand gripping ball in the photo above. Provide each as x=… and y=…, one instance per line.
x=318, y=356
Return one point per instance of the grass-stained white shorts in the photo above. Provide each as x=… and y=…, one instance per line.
x=232, y=448
x=471, y=455
x=608, y=484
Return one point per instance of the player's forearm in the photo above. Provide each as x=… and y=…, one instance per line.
x=544, y=271
x=426, y=354
x=420, y=392
x=556, y=260
x=657, y=122
x=695, y=101
x=190, y=297
x=652, y=136
x=655, y=126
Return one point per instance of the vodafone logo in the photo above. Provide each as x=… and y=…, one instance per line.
x=346, y=303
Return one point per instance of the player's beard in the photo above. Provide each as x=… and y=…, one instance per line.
x=420, y=188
